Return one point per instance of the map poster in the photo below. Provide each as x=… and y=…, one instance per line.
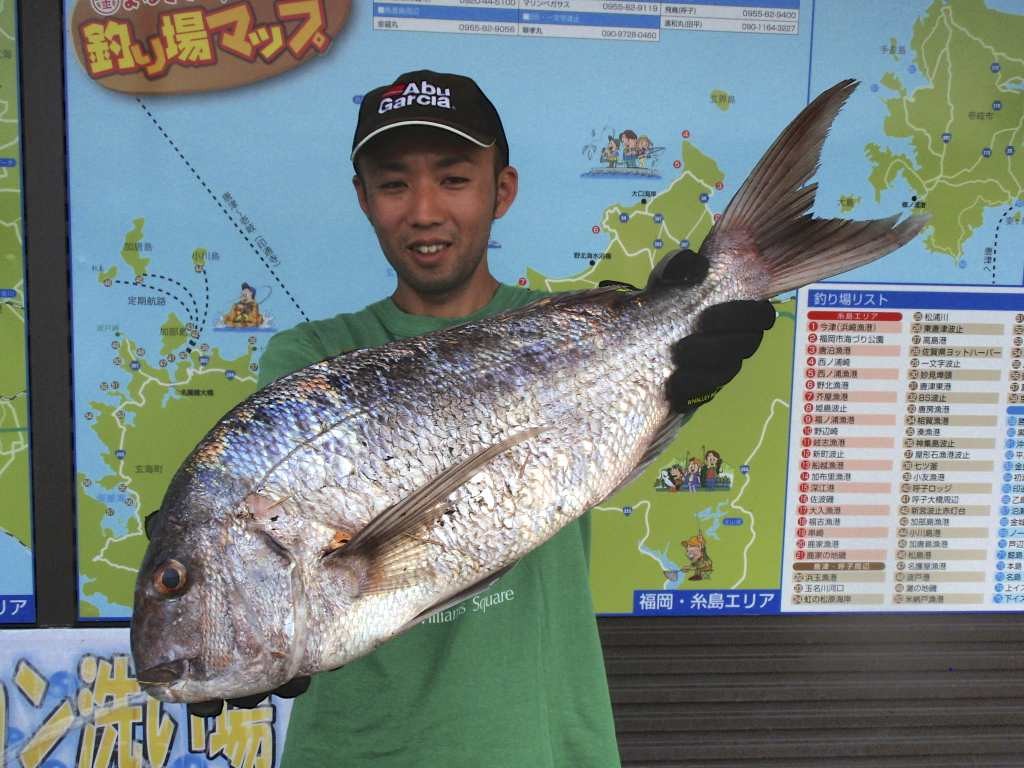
x=17, y=579
x=203, y=222
x=70, y=697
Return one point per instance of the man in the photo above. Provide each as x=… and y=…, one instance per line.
x=517, y=680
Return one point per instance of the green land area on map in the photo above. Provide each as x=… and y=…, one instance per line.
x=15, y=497
x=722, y=99
x=847, y=203
x=963, y=125
x=154, y=419
x=747, y=424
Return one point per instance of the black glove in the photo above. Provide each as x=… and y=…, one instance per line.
x=709, y=358
x=289, y=690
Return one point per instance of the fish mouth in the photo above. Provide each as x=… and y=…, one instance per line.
x=164, y=674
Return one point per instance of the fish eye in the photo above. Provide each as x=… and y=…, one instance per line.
x=170, y=578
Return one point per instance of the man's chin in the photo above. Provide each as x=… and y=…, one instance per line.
x=436, y=288
x=436, y=281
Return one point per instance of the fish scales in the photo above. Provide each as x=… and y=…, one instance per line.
x=494, y=523
x=615, y=372
x=341, y=504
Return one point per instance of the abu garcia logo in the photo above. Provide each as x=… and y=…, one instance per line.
x=406, y=94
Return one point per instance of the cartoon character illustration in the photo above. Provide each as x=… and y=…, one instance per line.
x=628, y=140
x=644, y=150
x=692, y=474
x=671, y=478
x=624, y=154
x=696, y=474
x=700, y=566
x=245, y=313
x=610, y=153
x=711, y=469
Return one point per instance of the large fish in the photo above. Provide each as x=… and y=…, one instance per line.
x=344, y=503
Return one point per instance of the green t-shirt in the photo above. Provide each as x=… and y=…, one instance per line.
x=512, y=678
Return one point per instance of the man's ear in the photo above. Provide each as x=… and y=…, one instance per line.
x=507, y=185
x=357, y=182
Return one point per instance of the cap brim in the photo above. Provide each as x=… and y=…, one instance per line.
x=429, y=123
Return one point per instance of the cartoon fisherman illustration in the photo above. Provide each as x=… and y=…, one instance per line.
x=630, y=149
x=712, y=469
x=610, y=153
x=644, y=150
x=245, y=313
x=700, y=566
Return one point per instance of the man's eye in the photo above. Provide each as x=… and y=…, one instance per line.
x=455, y=180
x=390, y=185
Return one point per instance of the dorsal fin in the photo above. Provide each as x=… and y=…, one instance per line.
x=607, y=293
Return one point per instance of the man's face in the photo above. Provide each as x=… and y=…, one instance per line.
x=431, y=197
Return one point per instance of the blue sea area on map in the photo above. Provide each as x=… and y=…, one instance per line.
x=1005, y=6
x=16, y=575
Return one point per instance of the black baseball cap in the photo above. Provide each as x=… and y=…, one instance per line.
x=450, y=102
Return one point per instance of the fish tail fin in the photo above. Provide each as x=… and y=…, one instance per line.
x=770, y=218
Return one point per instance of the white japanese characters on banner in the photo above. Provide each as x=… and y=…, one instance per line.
x=68, y=697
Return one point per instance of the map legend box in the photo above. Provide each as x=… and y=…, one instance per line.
x=905, y=487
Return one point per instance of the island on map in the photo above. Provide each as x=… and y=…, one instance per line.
x=963, y=126
x=150, y=410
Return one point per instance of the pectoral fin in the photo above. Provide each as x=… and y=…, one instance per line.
x=390, y=540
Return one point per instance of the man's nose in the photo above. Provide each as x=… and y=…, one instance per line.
x=427, y=209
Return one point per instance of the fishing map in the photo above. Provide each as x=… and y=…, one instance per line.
x=17, y=603
x=202, y=223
